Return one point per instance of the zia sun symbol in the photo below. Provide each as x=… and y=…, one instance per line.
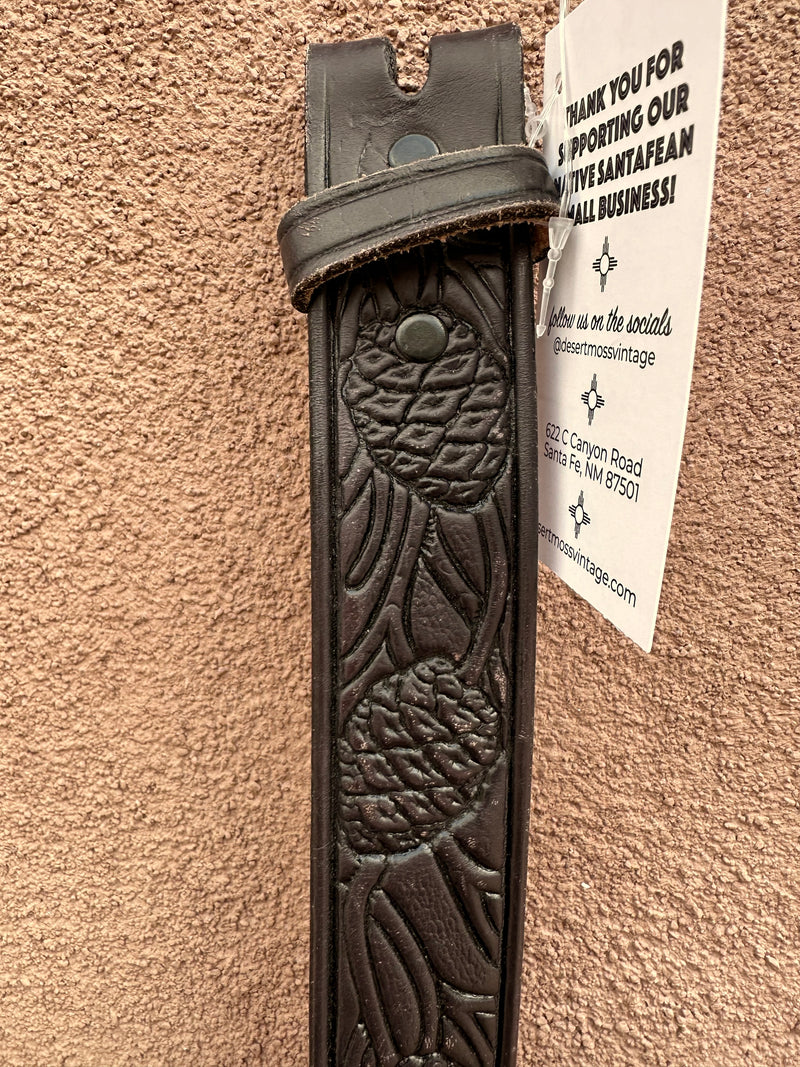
x=604, y=264
x=592, y=399
x=578, y=514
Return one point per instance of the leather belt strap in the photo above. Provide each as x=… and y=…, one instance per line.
x=424, y=538
x=352, y=224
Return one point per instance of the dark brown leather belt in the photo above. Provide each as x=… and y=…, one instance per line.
x=413, y=256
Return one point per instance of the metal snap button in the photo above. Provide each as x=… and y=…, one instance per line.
x=421, y=337
x=410, y=148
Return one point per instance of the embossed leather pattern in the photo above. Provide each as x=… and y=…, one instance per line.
x=426, y=567
x=424, y=557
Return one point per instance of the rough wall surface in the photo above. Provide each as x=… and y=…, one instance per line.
x=154, y=695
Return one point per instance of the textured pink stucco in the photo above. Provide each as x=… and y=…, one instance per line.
x=154, y=695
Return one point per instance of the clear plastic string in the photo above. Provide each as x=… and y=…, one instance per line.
x=560, y=226
x=536, y=125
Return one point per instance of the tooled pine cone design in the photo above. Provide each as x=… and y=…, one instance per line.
x=441, y=426
x=424, y=434
x=413, y=755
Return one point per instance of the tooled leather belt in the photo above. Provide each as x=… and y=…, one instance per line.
x=412, y=255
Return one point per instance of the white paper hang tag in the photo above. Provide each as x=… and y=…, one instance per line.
x=642, y=84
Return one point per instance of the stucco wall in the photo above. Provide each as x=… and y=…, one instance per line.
x=154, y=696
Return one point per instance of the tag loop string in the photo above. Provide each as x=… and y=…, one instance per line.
x=560, y=226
